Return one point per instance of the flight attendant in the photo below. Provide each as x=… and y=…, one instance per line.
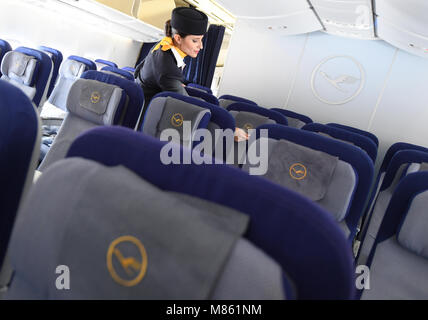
x=162, y=69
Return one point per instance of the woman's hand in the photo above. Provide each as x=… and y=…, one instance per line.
x=240, y=135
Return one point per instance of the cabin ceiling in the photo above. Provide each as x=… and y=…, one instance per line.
x=402, y=23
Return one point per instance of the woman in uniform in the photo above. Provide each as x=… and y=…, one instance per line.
x=162, y=69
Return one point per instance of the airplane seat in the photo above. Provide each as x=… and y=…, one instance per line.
x=258, y=228
x=4, y=48
x=220, y=119
x=199, y=87
x=56, y=57
x=70, y=70
x=202, y=273
x=249, y=116
x=398, y=259
x=172, y=111
x=90, y=103
x=133, y=91
x=20, y=136
x=30, y=70
x=118, y=72
x=360, y=141
x=295, y=120
x=403, y=163
x=396, y=147
x=129, y=69
x=54, y=110
x=335, y=175
x=208, y=97
x=359, y=131
x=227, y=99
x=392, y=150
x=104, y=63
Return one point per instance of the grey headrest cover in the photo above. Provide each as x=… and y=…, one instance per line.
x=166, y=250
x=304, y=170
x=224, y=103
x=114, y=74
x=413, y=234
x=19, y=67
x=175, y=112
x=249, y=120
x=295, y=123
x=72, y=69
x=95, y=101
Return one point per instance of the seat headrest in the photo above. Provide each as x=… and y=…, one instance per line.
x=268, y=113
x=228, y=99
x=396, y=147
x=141, y=236
x=96, y=101
x=170, y=113
x=351, y=137
x=301, y=169
x=118, y=72
x=199, y=93
x=356, y=158
x=72, y=69
x=89, y=63
x=53, y=53
x=133, y=91
x=105, y=63
x=401, y=157
x=129, y=69
x=248, y=120
x=412, y=233
x=356, y=130
x=219, y=116
x=278, y=216
x=293, y=115
x=20, y=67
x=199, y=87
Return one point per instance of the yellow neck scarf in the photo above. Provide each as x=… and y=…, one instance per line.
x=166, y=44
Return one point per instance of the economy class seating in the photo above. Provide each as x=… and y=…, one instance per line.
x=258, y=228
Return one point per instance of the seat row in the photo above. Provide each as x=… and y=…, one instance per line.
x=83, y=220
x=35, y=71
x=350, y=169
x=123, y=223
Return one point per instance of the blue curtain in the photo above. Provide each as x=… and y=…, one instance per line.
x=145, y=50
x=201, y=69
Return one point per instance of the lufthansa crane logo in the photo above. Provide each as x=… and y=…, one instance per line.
x=95, y=97
x=337, y=80
x=127, y=261
x=298, y=171
x=177, y=120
